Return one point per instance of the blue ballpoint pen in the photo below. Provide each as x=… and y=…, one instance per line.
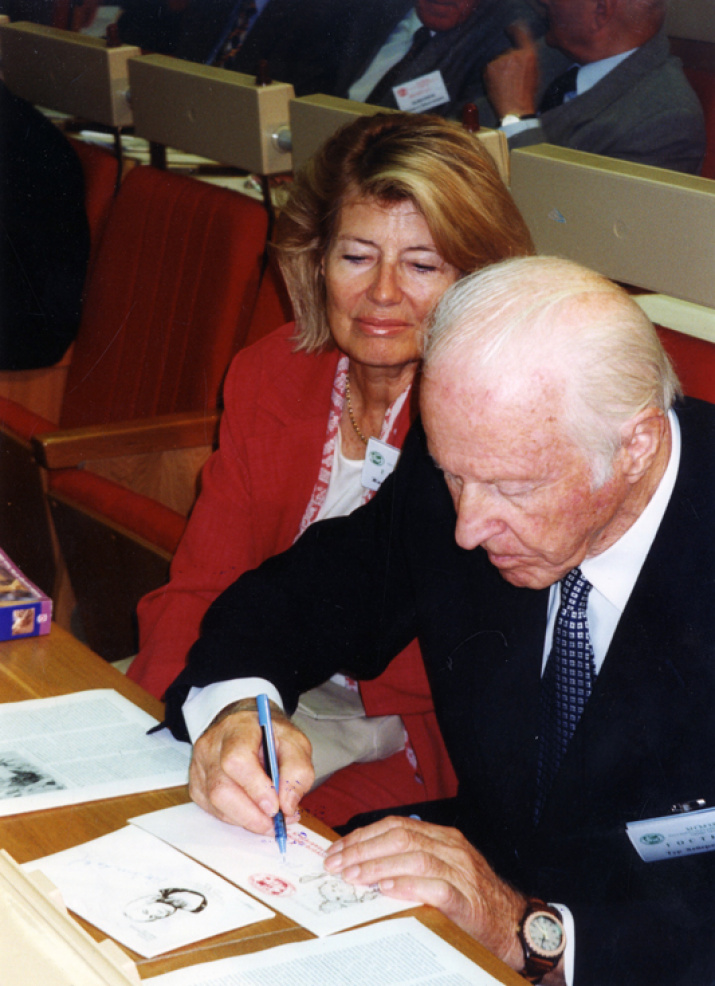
x=269, y=745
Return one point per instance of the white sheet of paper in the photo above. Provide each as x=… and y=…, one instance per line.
x=300, y=888
x=391, y=953
x=82, y=747
x=380, y=461
x=145, y=894
x=421, y=94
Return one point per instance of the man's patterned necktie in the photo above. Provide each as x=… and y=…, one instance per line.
x=559, y=89
x=566, y=683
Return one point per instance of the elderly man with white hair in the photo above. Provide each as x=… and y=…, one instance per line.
x=549, y=537
x=604, y=81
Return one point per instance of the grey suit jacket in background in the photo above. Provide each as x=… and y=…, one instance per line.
x=644, y=110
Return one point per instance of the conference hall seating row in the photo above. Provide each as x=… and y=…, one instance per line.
x=171, y=295
x=173, y=292
x=117, y=543
x=165, y=310
x=103, y=173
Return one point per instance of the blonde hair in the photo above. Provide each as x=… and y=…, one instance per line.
x=582, y=329
x=432, y=162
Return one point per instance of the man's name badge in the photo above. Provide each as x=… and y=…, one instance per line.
x=421, y=94
x=380, y=460
x=671, y=836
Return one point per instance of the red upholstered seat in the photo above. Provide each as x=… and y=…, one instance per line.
x=101, y=183
x=116, y=543
x=694, y=361
x=273, y=305
x=147, y=519
x=167, y=303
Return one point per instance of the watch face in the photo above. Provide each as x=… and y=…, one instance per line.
x=544, y=933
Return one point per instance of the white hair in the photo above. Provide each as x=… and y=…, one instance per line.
x=570, y=326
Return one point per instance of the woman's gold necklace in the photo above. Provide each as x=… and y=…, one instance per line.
x=349, y=403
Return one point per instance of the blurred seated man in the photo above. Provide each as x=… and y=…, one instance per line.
x=428, y=55
x=604, y=82
x=44, y=245
x=298, y=38
x=54, y=13
x=154, y=25
x=549, y=536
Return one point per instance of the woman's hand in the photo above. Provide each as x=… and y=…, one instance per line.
x=227, y=776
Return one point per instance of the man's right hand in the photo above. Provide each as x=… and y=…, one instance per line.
x=227, y=776
x=512, y=79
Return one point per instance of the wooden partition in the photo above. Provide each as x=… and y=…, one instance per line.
x=68, y=72
x=225, y=116
x=315, y=118
x=647, y=227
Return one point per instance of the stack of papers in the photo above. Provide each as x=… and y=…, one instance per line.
x=300, y=887
x=145, y=894
x=152, y=897
x=82, y=747
x=393, y=953
x=150, y=885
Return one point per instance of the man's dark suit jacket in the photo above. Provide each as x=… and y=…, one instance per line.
x=298, y=38
x=44, y=237
x=644, y=110
x=460, y=54
x=352, y=592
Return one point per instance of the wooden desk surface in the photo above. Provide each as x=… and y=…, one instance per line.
x=58, y=664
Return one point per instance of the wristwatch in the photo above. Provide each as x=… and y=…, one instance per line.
x=542, y=936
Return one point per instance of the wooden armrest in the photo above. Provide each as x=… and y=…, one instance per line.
x=63, y=449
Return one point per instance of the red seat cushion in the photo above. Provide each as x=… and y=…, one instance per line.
x=694, y=362
x=22, y=421
x=101, y=169
x=168, y=302
x=152, y=521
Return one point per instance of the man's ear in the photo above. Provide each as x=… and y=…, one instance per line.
x=642, y=438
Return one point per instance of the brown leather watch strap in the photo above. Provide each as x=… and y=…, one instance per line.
x=537, y=963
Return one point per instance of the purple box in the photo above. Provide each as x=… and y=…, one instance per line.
x=24, y=610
